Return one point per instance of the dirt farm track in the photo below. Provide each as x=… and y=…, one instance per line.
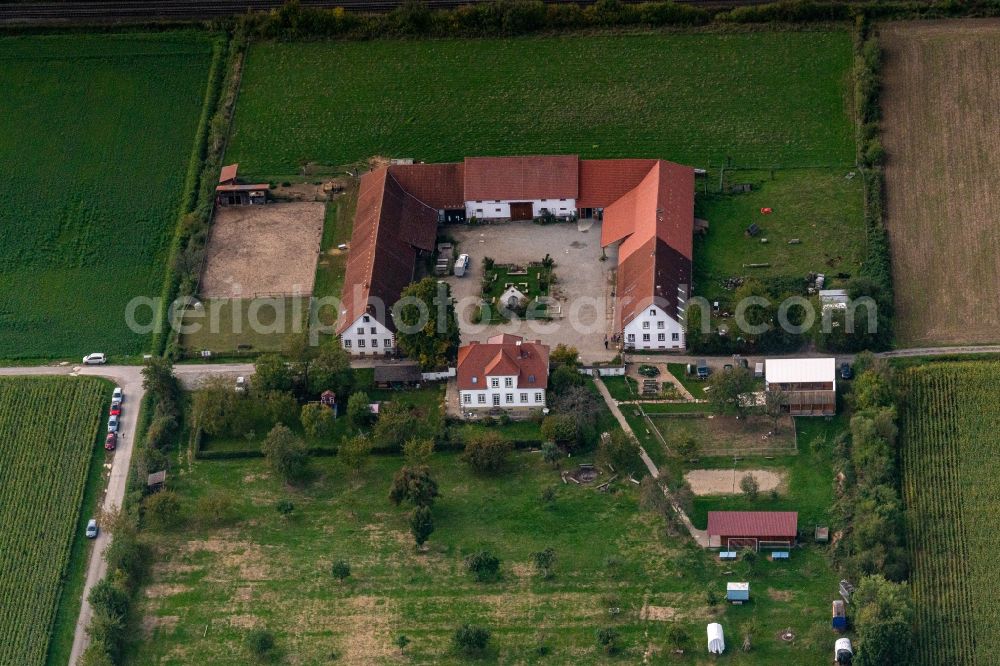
x=941, y=131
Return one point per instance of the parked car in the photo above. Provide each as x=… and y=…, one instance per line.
x=95, y=359
x=111, y=442
x=116, y=409
x=845, y=371
x=461, y=265
x=728, y=367
x=117, y=395
x=241, y=384
x=113, y=424
x=702, y=369
x=92, y=528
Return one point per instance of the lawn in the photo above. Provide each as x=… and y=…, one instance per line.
x=695, y=386
x=821, y=208
x=98, y=134
x=210, y=586
x=232, y=327
x=758, y=99
x=725, y=435
x=49, y=433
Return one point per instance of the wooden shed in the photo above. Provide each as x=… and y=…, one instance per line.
x=734, y=530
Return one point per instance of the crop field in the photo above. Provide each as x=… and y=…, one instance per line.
x=951, y=491
x=98, y=136
x=48, y=435
x=941, y=132
x=762, y=99
x=212, y=585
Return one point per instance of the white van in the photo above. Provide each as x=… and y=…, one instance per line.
x=461, y=265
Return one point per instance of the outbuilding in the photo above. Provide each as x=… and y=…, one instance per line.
x=808, y=385
x=397, y=375
x=735, y=530
x=737, y=593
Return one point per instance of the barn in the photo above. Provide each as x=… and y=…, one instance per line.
x=735, y=530
x=809, y=385
x=231, y=192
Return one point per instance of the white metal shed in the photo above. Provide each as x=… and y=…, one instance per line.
x=716, y=641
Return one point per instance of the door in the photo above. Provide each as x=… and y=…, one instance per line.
x=521, y=210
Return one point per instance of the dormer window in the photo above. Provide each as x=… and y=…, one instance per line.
x=366, y=319
x=531, y=379
x=475, y=380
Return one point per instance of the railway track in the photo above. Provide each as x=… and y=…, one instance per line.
x=186, y=10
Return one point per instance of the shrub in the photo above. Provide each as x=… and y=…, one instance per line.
x=286, y=454
x=340, y=570
x=260, y=642
x=415, y=485
x=421, y=524
x=545, y=560
x=487, y=452
x=162, y=510
x=471, y=639
x=483, y=565
x=607, y=638
x=749, y=486
x=284, y=507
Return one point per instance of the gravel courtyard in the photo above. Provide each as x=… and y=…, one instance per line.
x=584, y=284
x=263, y=250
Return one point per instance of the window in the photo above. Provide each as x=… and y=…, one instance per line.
x=562, y=200
x=508, y=382
x=475, y=380
x=388, y=342
x=481, y=399
x=524, y=397
x=361, y=330
x=495, y=382
x=661, y=337
x=645, y=325
x=467, y=399
x=366, y=319
x=631, y=337
x=531, y=379
x=479, y=210
x=361, y=343
x=660, y=324
x=497, y=209
x=652, y=313
x=373, y=331
x=347, y=344
x=509, y=398
x=538, y=396
x=645, y=337
x=675, y=336
x=375, y=342
x=496, y=399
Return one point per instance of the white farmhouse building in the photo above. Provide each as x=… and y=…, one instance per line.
x=504, y=373
x=521, y=188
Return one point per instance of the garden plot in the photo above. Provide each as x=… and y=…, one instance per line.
x=728, y=436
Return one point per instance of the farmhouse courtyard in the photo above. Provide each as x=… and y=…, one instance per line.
x=583, y=289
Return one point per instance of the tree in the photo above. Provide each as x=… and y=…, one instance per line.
x=271, y=374
x=159, y=380
x=883, y=618
x=417, y=451
x=873, y=387
x=415, y=485
x=651, y=497
x=427, y=332
x=487, y=452
x=755, y=314
x=162, y=510
x=607, y=638
x=401, y=642
x=621, y=451
x=471, y=639
x=213, y=405
x=687, y=448
x=317, y=420
x=340, y=570
x=110, y=598
x=749, y=486
x=286, y=454
x=284, y=507
x=561, y=429
x=358, y=413
x=96, y=654
x=564, y=355
x=330, y=370
x=396, y=423
x=728, y=390
x=301, y=353
x=483, y=565
x=774, y=404
x=563, y=378
x=545, y=561
x=354, y=452
x=421, y=524
x=551, y=453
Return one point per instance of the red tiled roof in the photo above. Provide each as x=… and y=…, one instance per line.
x=390, y=225
x=603, y=182
x=753, y=523
x=521, y=178
x=242, y=187
x=437, y=185
x=651, y=275
x=228, y=174
x=503, y=356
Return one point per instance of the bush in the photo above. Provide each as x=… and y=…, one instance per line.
x=340, y=570
x=421, y=524
x=415, y=485
x=607, y=638
x=749, y=486
x=162, y=510
x=284, y=507
x=471, y=639
x=561, y=429
x=260, y=642
x=286, y=454
x=483, y=565
x=487, y=452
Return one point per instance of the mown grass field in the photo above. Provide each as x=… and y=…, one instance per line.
x=98, y=136
x=210, y=586
x=950, y=488
x=49, y=432
x=761, y=99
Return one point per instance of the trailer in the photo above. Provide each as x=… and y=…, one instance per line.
x=839, y=616
x=843, y=653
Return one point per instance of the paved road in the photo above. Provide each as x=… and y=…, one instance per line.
x=129, y=377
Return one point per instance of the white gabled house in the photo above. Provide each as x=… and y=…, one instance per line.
x=652, y=328
x=367, y=335
x=506, y=373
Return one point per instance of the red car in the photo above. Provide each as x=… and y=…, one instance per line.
x=116, y=410
x=111, y=442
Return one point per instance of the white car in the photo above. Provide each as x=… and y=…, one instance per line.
x=117, y=395
x=91, y=528
x=95, y=359
x=461, y=265
x=113, y=424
